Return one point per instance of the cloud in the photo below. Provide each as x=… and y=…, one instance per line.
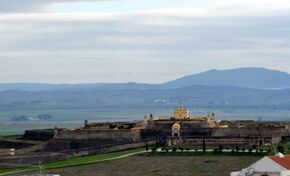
x=33, y=5
x=147, y=45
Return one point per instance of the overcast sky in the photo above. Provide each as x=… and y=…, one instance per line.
x=74, y=41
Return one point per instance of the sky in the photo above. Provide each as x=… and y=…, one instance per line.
x=150, y=41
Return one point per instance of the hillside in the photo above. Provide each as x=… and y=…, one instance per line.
x=242, y=89
x=201, y=96
x=259, y=78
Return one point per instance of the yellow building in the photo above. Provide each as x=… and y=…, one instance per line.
x=182, y=119
x=181, y=113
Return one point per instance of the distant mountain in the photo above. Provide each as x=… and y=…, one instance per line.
x=192, y=96
x=258, y=78
x=38, y=87
x=44, y=87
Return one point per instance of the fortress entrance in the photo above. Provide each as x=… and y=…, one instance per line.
x=176, y=130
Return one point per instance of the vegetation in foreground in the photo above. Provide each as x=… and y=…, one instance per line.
x=71, y=162
x=154, y=165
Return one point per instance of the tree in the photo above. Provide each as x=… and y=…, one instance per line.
x=281, y=149
x=146, y=147
x=181, y=149
x=221, y=148
x=237, y=148
x=153, y=149
x=203, y=145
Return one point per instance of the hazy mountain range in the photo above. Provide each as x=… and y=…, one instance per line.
x=251, y=88
x=258, y=78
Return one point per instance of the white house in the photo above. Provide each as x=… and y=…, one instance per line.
x=278, y=165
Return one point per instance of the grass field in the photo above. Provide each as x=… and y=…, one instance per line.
x=136, y=162
x=72, y=162
x=206, y=165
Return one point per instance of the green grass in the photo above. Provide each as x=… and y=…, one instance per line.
x=74, y=161
x=154, y=165
x=84, y=160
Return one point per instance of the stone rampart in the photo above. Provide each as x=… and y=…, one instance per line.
x=120, y=134
x=33, y=159
x=245, y=132
x=235, y=132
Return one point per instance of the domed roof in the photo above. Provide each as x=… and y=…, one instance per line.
x=176, y=126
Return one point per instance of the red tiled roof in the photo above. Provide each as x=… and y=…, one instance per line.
x=282, y=161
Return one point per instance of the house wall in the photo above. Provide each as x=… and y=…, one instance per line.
x=264, y=166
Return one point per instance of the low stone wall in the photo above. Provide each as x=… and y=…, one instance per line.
x=245, y=132
x=26, y=160
x=185, y=124
x=71, y=144
x=148, y=134
x=10, y=144
x=130, y=134
x=38, y=135
x=237, y=132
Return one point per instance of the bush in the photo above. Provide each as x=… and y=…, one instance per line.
x=281, y=149
x=153, y=149
x=220, y=149
x=181, y=149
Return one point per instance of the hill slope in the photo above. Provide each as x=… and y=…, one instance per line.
x=259, y=78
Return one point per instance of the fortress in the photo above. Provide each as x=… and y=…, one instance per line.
x=178, y=129
x=175, y=131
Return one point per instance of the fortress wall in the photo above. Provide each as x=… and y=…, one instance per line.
x=122, y=135
x=26, y=160
x=234, y=136
x=230, y=141
x=249, y=132
x=185, y=125
x=147, y=134
x=38, y=135
x=235, y=132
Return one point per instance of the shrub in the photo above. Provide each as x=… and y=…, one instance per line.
x=220, y=149
x=181, y=149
